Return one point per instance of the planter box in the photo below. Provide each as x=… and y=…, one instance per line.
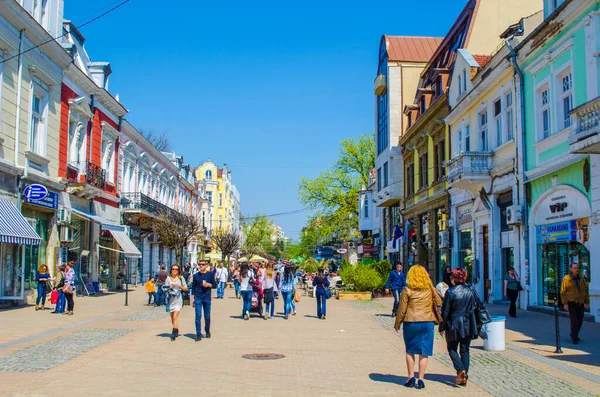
x=354, y=296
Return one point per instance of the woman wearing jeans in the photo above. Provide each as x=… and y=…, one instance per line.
x=287, y=289
x=459, y=323
x=511, y=290
x=321, y=283
x=269, y=287
x=69, y=287
x=42, y=276
x=59, y=283
x=245, y=280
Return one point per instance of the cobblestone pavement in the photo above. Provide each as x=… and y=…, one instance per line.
x=147, y=314
x=52, y=353
x=494, y=372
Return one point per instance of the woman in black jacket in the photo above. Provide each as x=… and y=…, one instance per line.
x=459, y=323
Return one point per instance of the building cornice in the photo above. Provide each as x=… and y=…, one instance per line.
x=436, y=107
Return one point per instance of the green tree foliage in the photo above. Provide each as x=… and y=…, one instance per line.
x=364, y=278
x=383, y=268
x=335, y=191
x=257, y=234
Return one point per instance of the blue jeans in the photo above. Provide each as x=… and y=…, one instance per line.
x=221, y=289
x=60, y=304
x=247, y=298
x=397, y=293
x=41, y=294
x=199, y=305
x=270, y=308
x=236, y=285
x=151, y=295
x=287, y=302
x=160, y=296
x=321, y=303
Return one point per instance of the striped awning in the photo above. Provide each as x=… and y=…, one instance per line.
x=14, y=228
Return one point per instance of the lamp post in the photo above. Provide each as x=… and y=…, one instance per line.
x=126, y=283
x=556, y=323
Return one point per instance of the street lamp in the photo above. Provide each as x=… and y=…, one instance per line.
x=126, y=283
x=556, y=323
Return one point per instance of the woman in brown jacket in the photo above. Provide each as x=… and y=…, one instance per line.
x=418, y=317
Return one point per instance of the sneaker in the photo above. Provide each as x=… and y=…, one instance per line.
x=198, y=338
x=324, y=317
x=247, y=316
x=294, y=313
x=271, y=318
x=266, y=317
x=420, y=384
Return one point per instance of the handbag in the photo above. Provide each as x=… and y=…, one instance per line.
x=297, y=296
x=49, y=286
x=434, y=308
x=481, y=313
x=61, y=283
x=67, y=289
x=519, y=287
x=54, y=297
x=269, y=295
x=327, y=293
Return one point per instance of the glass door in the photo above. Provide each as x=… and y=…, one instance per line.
x=556, y=262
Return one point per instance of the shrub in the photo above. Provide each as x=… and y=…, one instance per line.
x=383, y=269
x=364, y=278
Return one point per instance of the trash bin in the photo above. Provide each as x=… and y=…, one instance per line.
x=496, y=340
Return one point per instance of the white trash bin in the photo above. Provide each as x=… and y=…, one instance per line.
x=495, y=330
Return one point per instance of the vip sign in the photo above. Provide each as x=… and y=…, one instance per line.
x=563, y=204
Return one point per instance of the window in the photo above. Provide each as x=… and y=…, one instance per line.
x=460, y=91
x=208, y=175
x=510, y=127
x=365, y=206
x=544, y=101
x=382, y=122
x=464, y=80
x=423, y=171
x=220, y=222
x=37, y=137
x=209, y=196
x=410, y=180
x=108, y=158
x=422, y=107
x=438, y=87
x=436, y=160
x=442, y=160
x=385, y=175
x=468, y=138
x=459, y=144
x=483, y=128
x=498, y=119
x=566, y=99
x=220, y=199
x=378, y=179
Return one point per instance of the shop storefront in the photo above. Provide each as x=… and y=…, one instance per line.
x=561, y=218
x=16, y=236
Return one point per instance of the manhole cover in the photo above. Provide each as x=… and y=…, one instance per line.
x=263, y=356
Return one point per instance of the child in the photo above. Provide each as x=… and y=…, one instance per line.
x=150, y=289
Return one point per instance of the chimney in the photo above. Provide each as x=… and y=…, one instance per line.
x=99, y=72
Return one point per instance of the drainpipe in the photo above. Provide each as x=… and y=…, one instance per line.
x=19, y=92
x=93, y=109
x=523, y=153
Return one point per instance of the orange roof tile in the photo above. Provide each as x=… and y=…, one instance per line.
x=411, y=49
x=482, y=60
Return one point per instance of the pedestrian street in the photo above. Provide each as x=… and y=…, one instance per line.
x=108, y=349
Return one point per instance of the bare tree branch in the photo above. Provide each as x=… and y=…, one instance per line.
x=160, y=140
x=226, y=242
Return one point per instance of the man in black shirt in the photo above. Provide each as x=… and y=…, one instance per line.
x=202, y=285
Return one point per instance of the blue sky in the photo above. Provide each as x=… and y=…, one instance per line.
x=268, y=88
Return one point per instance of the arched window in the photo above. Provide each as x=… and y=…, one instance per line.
x=208, y=175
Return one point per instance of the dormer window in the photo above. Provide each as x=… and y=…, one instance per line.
x=409, y=119
x=208, y=175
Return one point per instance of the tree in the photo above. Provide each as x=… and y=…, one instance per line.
x=257, y=236
x=174, y=229
x=226, y=242
x=335, y=191
x=160, y=140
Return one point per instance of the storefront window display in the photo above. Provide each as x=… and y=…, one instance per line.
x=465, y=255
x=10, y=278
x=111, y=266
x=35, y=255
x=560, y=245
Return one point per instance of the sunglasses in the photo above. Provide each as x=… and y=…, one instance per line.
x=174, y=268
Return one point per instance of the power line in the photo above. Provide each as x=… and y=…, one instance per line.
x=64, y=34
x=281, y=213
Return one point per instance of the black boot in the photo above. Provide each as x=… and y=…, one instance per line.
x=207, y=328
x=173, y=335
x=177, y=332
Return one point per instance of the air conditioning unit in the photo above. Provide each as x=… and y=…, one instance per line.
x=444, y=239
x=64, y=216
x=66, y=234
x=514, y=216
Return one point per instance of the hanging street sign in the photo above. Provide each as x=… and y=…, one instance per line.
x=35, y=192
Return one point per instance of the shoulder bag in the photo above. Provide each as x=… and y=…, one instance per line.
x=434, y=308
x=481, y=313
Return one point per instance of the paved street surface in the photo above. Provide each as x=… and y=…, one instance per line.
x=109, y=349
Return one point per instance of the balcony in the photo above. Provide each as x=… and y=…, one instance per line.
x=85, y=179
x=139, y=202
x=470, y=171
x=585, y=137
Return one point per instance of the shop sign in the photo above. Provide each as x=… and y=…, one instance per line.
x=369, y=248
x=35, y=192
x=49, y=200
x=464, y=216
x=561, y=206
x=576, y=230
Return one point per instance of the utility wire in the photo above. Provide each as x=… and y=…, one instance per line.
x=281, y=213
x=63, y=35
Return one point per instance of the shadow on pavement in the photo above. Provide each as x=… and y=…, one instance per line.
x=191, y=336
x=382, y=315
x=400, y=380
x=164, y=335
x=309, y=316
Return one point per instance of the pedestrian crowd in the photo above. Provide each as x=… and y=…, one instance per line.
x=258, y=285
x=60, y=288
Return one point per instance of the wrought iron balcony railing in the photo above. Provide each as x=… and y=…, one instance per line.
x=94, y=174
x=139, y=201
x=469, y=165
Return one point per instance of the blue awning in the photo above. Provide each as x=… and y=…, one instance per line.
x=106, y=225
x=14, y=228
